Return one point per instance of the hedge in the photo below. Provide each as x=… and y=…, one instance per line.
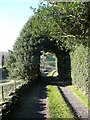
x=80, y=67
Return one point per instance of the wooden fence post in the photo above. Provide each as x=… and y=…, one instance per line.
x=3, y=99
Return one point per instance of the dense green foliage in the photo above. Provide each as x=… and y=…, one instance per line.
x=21, y=61
x=10, y=64
x=80, y=67
x=57, y=28
x=57, y=106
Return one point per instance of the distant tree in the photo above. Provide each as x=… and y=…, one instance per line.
x=2, y=60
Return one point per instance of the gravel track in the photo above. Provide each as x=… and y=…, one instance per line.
x=78, y=107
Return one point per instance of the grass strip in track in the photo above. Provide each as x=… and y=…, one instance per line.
x=57, y=106
x=51, y=73
x=80, y=95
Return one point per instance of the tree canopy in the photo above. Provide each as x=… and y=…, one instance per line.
x=55, y=26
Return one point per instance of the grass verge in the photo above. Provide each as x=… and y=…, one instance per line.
x=80, y=95
x=57, y=106
x=51, y=73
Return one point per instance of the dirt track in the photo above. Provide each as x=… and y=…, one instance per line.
x=33, y=105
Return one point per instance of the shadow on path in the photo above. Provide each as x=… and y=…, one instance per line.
x=32, y=101
x=78, y=108
x=32, y=104
x=54, y=81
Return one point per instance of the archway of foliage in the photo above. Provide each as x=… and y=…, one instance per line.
x=55, y=27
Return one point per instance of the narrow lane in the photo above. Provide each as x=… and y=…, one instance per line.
x=34, y=104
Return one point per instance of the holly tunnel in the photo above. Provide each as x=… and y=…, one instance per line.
x=63, y=60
